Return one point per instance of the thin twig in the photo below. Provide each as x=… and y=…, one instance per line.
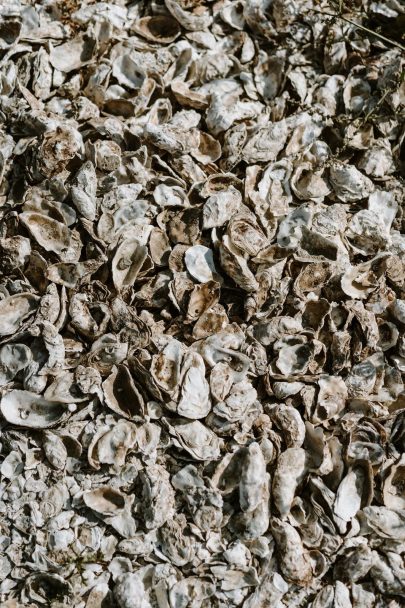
x=377, y=105
x=360, y=27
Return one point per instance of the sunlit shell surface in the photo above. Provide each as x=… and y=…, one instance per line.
x=202, y=304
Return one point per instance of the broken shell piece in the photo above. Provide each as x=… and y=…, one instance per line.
x=22, y=408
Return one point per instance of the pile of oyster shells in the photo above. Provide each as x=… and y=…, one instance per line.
x=202, y=304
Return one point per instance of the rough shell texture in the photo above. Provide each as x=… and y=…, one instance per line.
x=202, y=304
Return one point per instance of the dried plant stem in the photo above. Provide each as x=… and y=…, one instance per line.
x=378, y=104
x=361, y=27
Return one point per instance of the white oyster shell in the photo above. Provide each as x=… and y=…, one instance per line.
x=200, y=263
x=14, y=310
x=22, y=408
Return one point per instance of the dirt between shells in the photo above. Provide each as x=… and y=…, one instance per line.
x=202, y=304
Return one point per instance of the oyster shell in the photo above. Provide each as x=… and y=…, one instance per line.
x=14, y=310
x=196, y=439
x=105, y=501
x=160, y=28
x=121, y=394
x=22, y=408
x=129, y=591
x=194, y=400
x=128, y=261
x=110, y=446
x=393, y=490
x=72, y=54
x=51, y=234
x=42, y=587
x=13, y=359
x=292, y=466
x=349, y=183
x=199, y=262
x=294, y=560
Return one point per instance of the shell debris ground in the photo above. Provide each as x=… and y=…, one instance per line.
x=202, y=304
